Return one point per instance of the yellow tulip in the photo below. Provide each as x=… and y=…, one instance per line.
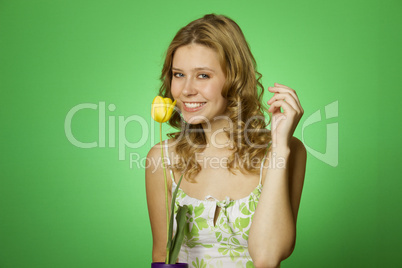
x=162, y=109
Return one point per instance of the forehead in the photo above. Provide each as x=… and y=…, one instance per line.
x=195, y=55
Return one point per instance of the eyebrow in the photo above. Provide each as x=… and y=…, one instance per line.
x=195, y=69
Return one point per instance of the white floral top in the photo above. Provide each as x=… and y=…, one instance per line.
x=221, y=245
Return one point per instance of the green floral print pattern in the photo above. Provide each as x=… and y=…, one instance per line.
x=220, y=245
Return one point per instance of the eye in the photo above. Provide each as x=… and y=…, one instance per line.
x=178, y=75
x=203, y=76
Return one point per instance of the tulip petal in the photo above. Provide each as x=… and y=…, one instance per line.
x=169, y=111
x=162, y=109
x=158, y=111
x=167, y=100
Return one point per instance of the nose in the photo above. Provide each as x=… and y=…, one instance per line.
x=189, y=89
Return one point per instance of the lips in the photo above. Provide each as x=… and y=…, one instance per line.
x=193, y=106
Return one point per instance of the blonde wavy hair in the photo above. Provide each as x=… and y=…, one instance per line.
x=242, y=90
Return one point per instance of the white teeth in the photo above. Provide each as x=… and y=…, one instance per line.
x=193, y=104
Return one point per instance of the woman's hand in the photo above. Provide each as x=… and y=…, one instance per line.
x=284, y=124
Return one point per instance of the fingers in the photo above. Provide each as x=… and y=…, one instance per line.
x=278, y=88
x=283, y=96
x=287, y=108
x=285, y=101
x=282, y=92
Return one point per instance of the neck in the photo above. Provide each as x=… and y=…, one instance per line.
x=214, y=133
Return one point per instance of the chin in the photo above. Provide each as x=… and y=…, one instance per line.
x=193, y=120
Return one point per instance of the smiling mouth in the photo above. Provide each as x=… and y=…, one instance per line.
x=194, y=104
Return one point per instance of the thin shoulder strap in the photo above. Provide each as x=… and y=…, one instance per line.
x=168, y=160
x=262, y=163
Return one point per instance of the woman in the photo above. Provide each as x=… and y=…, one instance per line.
x=229, y=159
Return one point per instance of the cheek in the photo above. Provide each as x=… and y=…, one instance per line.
x=174, y=90
x=214, y=93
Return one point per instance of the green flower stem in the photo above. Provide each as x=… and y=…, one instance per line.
x=166, y=195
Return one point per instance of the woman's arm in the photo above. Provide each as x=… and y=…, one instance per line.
x=155, y=190
x=273, y=231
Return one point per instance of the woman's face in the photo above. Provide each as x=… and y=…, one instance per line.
x=197, y=83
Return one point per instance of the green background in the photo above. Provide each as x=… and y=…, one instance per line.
x=64, y=206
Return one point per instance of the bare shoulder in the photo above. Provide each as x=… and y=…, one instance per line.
x=154, y=152
x=154, y=166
